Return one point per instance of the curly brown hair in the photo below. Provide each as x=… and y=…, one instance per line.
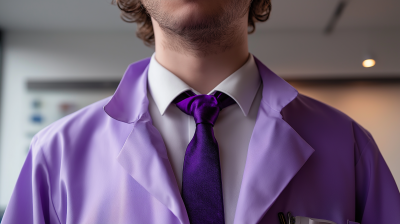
x=132, y=11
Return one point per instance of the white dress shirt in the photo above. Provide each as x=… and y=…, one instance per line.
x=232, y=129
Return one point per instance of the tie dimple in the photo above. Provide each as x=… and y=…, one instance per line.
x=201, y=176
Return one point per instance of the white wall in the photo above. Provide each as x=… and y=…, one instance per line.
x=313, y=54
x=106, y=55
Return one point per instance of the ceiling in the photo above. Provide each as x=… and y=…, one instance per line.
x=100, y=15
x=315, y=14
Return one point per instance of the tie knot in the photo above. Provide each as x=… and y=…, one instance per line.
x=203, y=108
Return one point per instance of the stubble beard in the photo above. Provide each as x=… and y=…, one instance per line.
x=211, y=34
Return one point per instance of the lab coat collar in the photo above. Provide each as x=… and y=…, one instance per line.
x=143, y=154
x=276, y=151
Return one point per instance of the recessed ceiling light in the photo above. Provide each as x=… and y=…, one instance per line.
x=367, y=63
x=368, y=60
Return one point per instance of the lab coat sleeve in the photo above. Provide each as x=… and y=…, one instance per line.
x=31, y=199
x=377, y=195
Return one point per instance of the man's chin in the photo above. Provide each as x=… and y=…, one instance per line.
x=192, y=22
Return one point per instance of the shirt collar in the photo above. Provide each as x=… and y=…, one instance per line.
x=242, y=85
x=129, y=103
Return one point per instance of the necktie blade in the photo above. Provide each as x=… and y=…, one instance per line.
x=201, y=177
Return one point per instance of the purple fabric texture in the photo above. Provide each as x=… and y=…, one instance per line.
x=350, y=222
x=201, y=175
x=107, y=163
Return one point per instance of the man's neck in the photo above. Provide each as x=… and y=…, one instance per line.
x=201, y=71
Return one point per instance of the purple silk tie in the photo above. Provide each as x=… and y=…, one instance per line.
x=201, y=176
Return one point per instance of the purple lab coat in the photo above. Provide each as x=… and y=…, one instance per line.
x=108, y=164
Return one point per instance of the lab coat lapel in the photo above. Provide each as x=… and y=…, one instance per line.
x=143, y=155
x=276, y=151
x=145, y=158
